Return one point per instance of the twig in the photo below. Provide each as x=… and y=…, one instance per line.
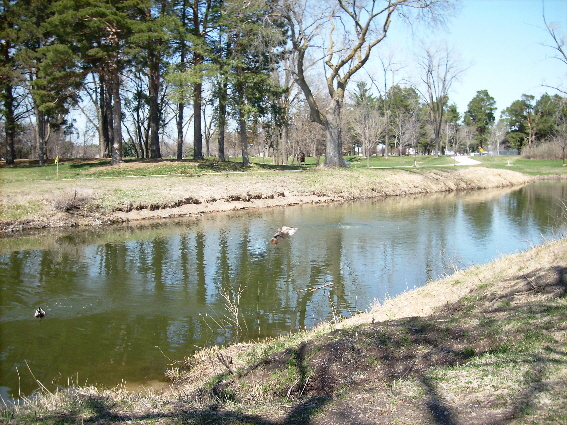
x=36, y=380
x=160, y=350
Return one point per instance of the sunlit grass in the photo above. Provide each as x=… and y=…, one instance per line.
x=19, y=211
x=522, y=165
x=90, y=169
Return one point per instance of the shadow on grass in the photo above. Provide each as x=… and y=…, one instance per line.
x=101, y=412
x=506, y=326
x=89, y=164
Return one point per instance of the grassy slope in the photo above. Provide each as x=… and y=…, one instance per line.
x=90, y=192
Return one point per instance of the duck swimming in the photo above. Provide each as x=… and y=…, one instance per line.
x=283, y=232
x=39, y=312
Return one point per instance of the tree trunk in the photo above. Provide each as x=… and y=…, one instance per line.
x=181, y=105
x=40, y=134
x=243, y=137
x=105, y=136
x=334, y=149
x=222, y=119
x=9, y=124
x=197, y=118
x=179, y=123
x=154, y=84
x=116, y=119
x=284, y=145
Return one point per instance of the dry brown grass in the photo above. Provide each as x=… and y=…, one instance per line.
x=27, y=205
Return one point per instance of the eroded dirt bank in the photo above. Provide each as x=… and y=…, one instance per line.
x=88, y=202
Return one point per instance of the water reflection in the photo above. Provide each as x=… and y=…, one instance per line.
x=121, y=303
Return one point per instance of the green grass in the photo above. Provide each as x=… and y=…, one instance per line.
x=31, y=171
x=78, y=169
x=522, y=165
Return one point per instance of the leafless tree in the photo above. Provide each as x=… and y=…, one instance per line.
x=497, y=135
x=559, y=45
x=407, y=129
x=345, y=32
x=439, y=69
x=367, y=126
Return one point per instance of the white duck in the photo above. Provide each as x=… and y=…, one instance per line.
x=283, y=232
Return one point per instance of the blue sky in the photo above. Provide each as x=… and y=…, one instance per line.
x=502, y=43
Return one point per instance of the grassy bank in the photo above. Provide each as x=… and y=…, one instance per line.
x=78, y=193
x=485, y=345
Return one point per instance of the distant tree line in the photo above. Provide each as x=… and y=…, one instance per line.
x=239, y=78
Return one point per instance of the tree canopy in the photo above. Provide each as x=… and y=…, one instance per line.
x=252, y=73
x=480, y=115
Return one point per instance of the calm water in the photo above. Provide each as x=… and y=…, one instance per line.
x=124, y=303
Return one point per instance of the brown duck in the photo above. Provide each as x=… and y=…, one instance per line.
x=283, y=232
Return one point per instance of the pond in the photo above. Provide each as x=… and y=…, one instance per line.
x=123, y=303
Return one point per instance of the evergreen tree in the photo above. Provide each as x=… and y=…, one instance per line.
x=98, y=34
x=33, y=49
x=10, y=78
x=518, y=117
x=256, y=38
x=480, y=115
x=149, y=49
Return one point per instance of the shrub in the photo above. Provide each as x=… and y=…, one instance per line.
x=547, y=150
x=72, y=201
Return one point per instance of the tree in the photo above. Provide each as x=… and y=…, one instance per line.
x=559, y=44
x=181, y=51
x=480, y=115
x=9, y=77
x=203, y=14
x=519, y=121
x=29, y=20
x=403, y=113
x=366, y=121
x=452, y=118
x=439, y=70
x=98, y=34
x=347, y=30
x=149, y=47
x=256, y=37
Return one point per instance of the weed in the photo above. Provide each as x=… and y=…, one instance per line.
x=70, y=201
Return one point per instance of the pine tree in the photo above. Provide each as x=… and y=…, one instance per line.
x=480, y=115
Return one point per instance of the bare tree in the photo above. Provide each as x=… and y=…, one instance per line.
x=498, y=135
x=388, y=66
x=367, y=125
x=346, y=31
x=559, y=45
x=439, y=70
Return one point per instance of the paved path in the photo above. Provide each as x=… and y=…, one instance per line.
x=466, y=160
